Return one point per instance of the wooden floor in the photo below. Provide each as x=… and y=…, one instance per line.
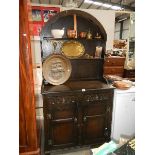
x=75, y=152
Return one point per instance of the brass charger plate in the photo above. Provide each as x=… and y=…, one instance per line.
x=72, y=49
x=56, y=69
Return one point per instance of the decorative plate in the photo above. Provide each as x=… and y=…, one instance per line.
x=72, y=49
x=123, y=85
x=56, y=69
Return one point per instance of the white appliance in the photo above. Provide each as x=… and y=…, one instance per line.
x=123, y=119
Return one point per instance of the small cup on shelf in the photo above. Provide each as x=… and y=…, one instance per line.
x=83, y=34
x=57, y=33
x=71, y=33
x=98, y=52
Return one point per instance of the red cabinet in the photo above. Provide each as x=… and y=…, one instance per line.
x=40, y=15
x=28, y=142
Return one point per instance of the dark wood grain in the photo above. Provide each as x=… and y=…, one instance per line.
x=27, y=118
x=76, y=118
x=75, y=113
x=129, y=73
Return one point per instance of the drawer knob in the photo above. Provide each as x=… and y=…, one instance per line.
x=97, y=97
x=63, y=100
x=75, y=120
x=84, y=119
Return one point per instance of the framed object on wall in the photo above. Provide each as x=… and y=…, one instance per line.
x=40, y=15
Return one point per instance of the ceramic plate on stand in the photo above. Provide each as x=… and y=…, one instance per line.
x=56, y=69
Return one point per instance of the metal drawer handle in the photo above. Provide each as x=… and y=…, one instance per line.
x=108, y=109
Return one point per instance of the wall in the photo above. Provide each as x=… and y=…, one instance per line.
x=126, y=31
x=35, y=42
x=117, y=31
x=128, y=28
x=132, y=27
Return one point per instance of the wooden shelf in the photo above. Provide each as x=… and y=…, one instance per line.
x=79, y=59
x=51, y=38
x=119, y=49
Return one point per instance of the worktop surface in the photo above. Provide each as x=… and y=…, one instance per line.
x=76, y=86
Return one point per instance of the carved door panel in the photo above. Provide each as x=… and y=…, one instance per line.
x=94, y=122
x=63, y=126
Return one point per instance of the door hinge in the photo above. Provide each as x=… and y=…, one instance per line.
x=49, y=142
x=48, y=116
x=108, y=109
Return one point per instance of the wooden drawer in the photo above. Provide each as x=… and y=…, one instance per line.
x=114, y=70
x=114, y=61
x=129, y=73
x=98, y=97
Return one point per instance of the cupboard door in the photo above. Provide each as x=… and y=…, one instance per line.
x=94, y=122
x=62, y=131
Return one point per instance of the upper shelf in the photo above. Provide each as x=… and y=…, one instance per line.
x=51, y=38
x=77, y=20
x=119, y=49
x=85, y=67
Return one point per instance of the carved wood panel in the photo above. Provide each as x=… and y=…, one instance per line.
x=62, y=129
x=86, y=116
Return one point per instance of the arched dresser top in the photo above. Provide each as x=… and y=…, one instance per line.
x=54, y=23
